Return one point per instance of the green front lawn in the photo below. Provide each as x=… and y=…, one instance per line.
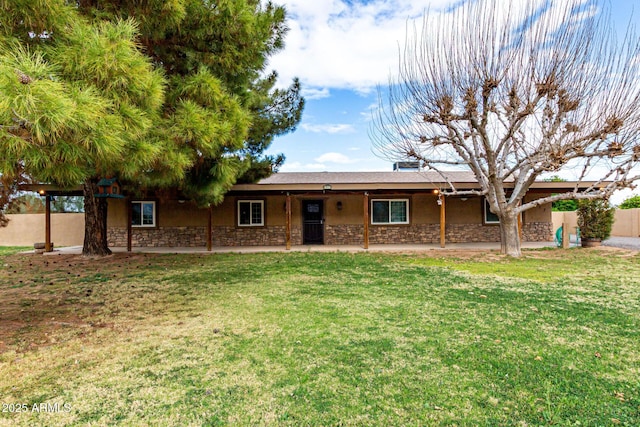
x=322, y=339
x=9, y=250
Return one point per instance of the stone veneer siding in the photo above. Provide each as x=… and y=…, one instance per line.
x=430, y=233
x=346, y=234
x=179, y=237
x=472, y=233
x=537, y=232
x=197, y=236
x=404, y=234
x=350, y=234
x=255, y=236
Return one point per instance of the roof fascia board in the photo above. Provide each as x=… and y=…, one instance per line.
x=425, y=186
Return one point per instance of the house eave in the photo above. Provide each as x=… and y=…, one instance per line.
x=52, y=190
x=545, y=187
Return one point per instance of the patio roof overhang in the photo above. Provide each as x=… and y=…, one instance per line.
x=52, y=190
x=357, y=182
x=538, y=187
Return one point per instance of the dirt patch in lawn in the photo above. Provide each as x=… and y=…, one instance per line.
x=44, y=297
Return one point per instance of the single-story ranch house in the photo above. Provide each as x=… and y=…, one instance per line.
x=330, y=208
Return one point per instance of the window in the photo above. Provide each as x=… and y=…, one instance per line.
x=250, y=213
x=143, y=214
x=394, y=211
x=489, y=217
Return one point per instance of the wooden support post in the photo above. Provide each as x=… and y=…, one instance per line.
x=288, y=221
x=520, y=227
x=442, y=219
x=129, y=225
x=47, y=224
x=366, y=220
x=565, y=236
x=210, y=229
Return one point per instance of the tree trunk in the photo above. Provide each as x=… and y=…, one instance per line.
x=95, y=221
x=509, y=235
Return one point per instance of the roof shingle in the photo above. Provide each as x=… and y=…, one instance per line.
x=285, y=178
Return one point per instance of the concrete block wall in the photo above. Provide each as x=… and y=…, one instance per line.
x=67, y=229
x=625, y=224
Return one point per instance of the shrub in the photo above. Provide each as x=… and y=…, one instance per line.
x=631, y=203
x=564, y=206
x=595, y=219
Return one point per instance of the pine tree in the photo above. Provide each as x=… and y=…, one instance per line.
x=222, y=111
x=77, y=102
x=158, y=94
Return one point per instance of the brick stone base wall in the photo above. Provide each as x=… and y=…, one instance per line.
x=430, y=233
x=404, y=234
x=345, y=234
x=180, y=237
x=249, y=236
x=537, y=232
x=472, y=233
x=255, y=236
x=334, y=235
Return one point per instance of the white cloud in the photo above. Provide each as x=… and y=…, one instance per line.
x=328, y=128
x=346, y=44
x=354, y=44
x=368, y=113
x=357, y=165
x=299, y=166
x=335, y=158
x=312, y=93
x=622, y=195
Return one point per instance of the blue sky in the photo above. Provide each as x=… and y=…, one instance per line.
x=341, y=50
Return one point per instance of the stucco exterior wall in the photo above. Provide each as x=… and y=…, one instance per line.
x=116, y=213
x=184, y=224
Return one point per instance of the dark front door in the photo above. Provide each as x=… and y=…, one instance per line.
x=313, y=222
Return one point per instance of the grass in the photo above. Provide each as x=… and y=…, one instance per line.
x=322, y=339
x=9, y=250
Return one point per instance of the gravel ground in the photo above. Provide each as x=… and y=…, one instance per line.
x=623, y=242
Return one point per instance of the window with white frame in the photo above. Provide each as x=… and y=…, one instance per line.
x=390, y=211
x=143, y=214
x=489, y=217
x=250, y=213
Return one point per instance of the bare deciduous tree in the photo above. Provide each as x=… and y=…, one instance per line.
x=513, y=92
